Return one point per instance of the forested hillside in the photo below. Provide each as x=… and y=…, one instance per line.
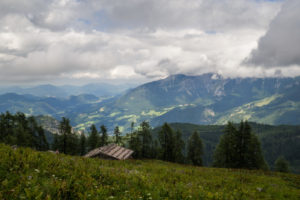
x=276, y=141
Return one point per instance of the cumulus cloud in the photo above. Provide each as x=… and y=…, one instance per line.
x=279, y=47
x=44, y=40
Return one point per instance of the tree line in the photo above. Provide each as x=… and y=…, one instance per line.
x=237, y=148
x=17, y=129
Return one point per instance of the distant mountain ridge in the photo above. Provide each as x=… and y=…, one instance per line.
x=48, y=90
x=204, y=99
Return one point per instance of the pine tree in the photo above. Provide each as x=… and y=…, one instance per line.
x=65, y=130
x=146, y=139
x=56, y=143
x=195, y=149
x=239, y=149
x=93, y=138
x=135, y=144
x=82, y=144
x=226, y=151
x=104, y=137
x=117, y=134
x=166, y=140
x=42, y=141
x=178, y=147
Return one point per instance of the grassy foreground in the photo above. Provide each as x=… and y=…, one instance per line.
x=27, y=174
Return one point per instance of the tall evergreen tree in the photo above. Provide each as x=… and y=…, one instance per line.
x=93, y=138
x=117, y=134
x=104, y=137
x=65, y=130
x=178, y=147
x=56, y=143
x=82, y=144
x=166, y=140
x=135, y=144
x=226, y=152
x=42, y=143
x=239, y=149
x=195, y=149
x=146, y=139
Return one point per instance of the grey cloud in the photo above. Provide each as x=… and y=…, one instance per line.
x=133, y=39
x=280, y=45
x=204, y=14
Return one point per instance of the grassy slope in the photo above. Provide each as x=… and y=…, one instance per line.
x=26, y=174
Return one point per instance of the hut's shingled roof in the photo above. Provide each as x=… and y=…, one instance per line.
x=111, y=150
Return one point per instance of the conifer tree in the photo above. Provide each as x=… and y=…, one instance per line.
x=82, y=144
x=195, y=149
x=146, y=139
x=104, y=137
x=93, y=138
x=239, y=149
x=117, y=134
x=226, y=153
x=179, y=146
x=136, y=145
x=65, y=130
x=166, y=140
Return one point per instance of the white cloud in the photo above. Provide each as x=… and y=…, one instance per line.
x=134, y=39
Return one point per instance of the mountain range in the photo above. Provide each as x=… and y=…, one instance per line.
x=64, y=91
x=205, y=99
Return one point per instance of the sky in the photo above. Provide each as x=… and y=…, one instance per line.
x=117, y=41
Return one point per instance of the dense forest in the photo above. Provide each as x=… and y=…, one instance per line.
x=238, y=147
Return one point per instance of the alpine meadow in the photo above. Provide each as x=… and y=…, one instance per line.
x=150, y=99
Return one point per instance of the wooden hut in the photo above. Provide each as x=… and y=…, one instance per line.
x=111, y=152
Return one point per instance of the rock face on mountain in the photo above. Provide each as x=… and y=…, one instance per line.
x=205, y=99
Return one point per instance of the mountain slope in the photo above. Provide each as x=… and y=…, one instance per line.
x=205, y=99
x=44, y=175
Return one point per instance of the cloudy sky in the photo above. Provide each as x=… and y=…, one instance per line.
x=80, y=41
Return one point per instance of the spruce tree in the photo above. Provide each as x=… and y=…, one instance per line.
x=166, y=140
x=146, y=139
x=226, y=151
x=82, y=144
x=104, y=137
x=195, y=149
x=65, y=130
x=239, y=149
x=135, y=144
x=93, y=138
x=178, y=147
x=117, y=134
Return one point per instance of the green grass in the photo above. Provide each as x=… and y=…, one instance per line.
x=27, y=174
